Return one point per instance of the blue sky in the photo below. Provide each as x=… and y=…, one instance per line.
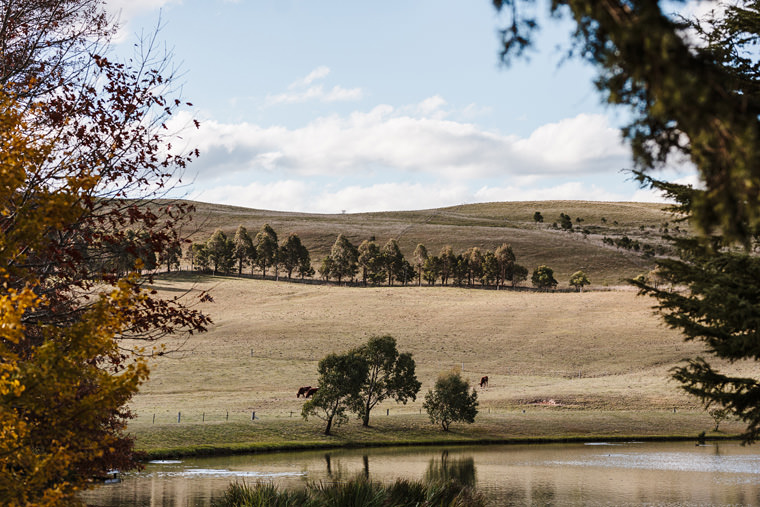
x=374, y=106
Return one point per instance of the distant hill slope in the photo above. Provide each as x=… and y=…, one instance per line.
x=486, y=225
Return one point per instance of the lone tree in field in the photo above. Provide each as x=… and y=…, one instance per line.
x=538, y=217
x=391, y=375
x=449, y=401
x=543, y=278
x=579, y=280
x=341, y=377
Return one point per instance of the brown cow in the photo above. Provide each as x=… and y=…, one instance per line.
x=302, y=390
x=484, y=381
x=311, y=392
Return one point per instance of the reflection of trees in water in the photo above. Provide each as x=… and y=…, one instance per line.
x=338, y=474
x=329, y=465
x=461, y=470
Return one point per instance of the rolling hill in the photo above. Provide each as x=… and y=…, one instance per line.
x=485, y=225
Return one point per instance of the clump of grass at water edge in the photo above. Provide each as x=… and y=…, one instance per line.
x=356, y=492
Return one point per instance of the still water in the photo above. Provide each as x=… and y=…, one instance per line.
x=635, y=473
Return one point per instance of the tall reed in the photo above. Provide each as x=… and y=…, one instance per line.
x=357, y=492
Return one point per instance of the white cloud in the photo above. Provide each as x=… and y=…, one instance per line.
x=303, y=90
x=385, y=139
x=411, y=157
x=318, y=73
x=584, y=140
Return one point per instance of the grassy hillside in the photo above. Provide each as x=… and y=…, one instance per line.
x=576, y=363
x=485, y=225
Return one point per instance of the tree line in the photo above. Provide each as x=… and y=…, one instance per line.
x=221, y=254
x=368, y=264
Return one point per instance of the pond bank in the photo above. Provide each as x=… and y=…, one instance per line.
x=278, y=435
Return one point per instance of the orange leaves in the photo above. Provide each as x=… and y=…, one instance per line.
x=63, y=386
x=59, y=405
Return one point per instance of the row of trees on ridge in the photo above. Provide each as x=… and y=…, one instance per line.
x=368, y=263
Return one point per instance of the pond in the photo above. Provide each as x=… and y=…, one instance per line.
x=634, y=473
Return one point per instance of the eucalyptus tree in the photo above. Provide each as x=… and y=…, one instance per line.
x=293, y=255
x=448, y=262
x=341, y=377
x=266, y=248
x=221, y=251
x=489, y=269
x=344, y=256
x=420, y=256
x=579, y=279
x=449, y=401
x=505, y=258
x=371, y=262
x=393, y=260
x=543, y=278
x=326, y=268
x=390, y=375
x=243, y=248
x=199, y=256
x=432, y=269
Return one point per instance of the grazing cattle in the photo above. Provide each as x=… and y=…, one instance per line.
x=302, y=391
x=311, y=392
x=484, y=381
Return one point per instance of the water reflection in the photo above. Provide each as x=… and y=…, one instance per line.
x=631, y=474
x=446, y=468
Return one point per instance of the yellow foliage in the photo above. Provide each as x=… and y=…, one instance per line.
x=63, y=390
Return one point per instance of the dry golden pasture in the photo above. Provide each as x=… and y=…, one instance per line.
x=601, y=350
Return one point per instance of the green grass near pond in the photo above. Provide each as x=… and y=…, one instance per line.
x=549, y=425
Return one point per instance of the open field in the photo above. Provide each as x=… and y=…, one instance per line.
x=485, y=225
x=592, y=363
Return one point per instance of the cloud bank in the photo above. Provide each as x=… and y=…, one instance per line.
x=389, y=158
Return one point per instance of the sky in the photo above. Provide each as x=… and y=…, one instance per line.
x=338, y=106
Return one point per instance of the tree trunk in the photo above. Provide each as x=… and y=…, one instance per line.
x=329, y=425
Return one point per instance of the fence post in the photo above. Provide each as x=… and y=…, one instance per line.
x=179, y=417
x=228, y=416
x=204, y=417
x=154, y=418
x=253, y=415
